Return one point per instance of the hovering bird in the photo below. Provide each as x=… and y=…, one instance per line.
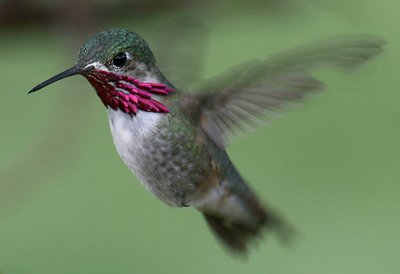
x=174, y=142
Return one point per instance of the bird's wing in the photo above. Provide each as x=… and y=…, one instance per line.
x=262, y=88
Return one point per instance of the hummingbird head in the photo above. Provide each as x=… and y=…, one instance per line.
x=117, y=50
x=119, y=64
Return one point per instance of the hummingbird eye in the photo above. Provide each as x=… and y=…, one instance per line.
x=119, y=60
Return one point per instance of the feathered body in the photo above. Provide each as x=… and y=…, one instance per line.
x=175, y=159
x=175, y=142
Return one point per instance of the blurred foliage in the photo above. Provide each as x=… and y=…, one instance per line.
x=68, y=204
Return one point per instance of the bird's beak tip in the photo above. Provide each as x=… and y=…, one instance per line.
x=67, y=73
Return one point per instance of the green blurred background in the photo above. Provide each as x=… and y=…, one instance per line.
x=332, y=168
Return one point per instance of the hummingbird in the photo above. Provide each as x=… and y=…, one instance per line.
x=175, y=141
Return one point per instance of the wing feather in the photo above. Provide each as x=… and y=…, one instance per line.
x=261, y=89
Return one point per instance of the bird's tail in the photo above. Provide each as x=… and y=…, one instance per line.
x=237, y=218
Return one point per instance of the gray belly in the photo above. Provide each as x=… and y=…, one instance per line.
x=167, y=162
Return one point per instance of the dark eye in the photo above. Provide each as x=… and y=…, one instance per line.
x=119, y=60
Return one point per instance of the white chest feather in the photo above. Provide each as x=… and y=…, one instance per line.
x=130, y=134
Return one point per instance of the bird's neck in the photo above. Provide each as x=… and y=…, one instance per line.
x=132, y=130
x=128, y=130
x=131, y=94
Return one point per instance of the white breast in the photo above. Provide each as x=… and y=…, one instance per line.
x=129, y=134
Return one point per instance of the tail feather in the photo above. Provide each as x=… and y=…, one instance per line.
x=238, y=219
x=233, y=236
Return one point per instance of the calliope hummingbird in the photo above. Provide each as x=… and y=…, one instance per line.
x=174, y=141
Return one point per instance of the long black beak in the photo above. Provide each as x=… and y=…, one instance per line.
x=62, y=75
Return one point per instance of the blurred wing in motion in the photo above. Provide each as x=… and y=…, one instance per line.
x=180, y=50
x=262, y=88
